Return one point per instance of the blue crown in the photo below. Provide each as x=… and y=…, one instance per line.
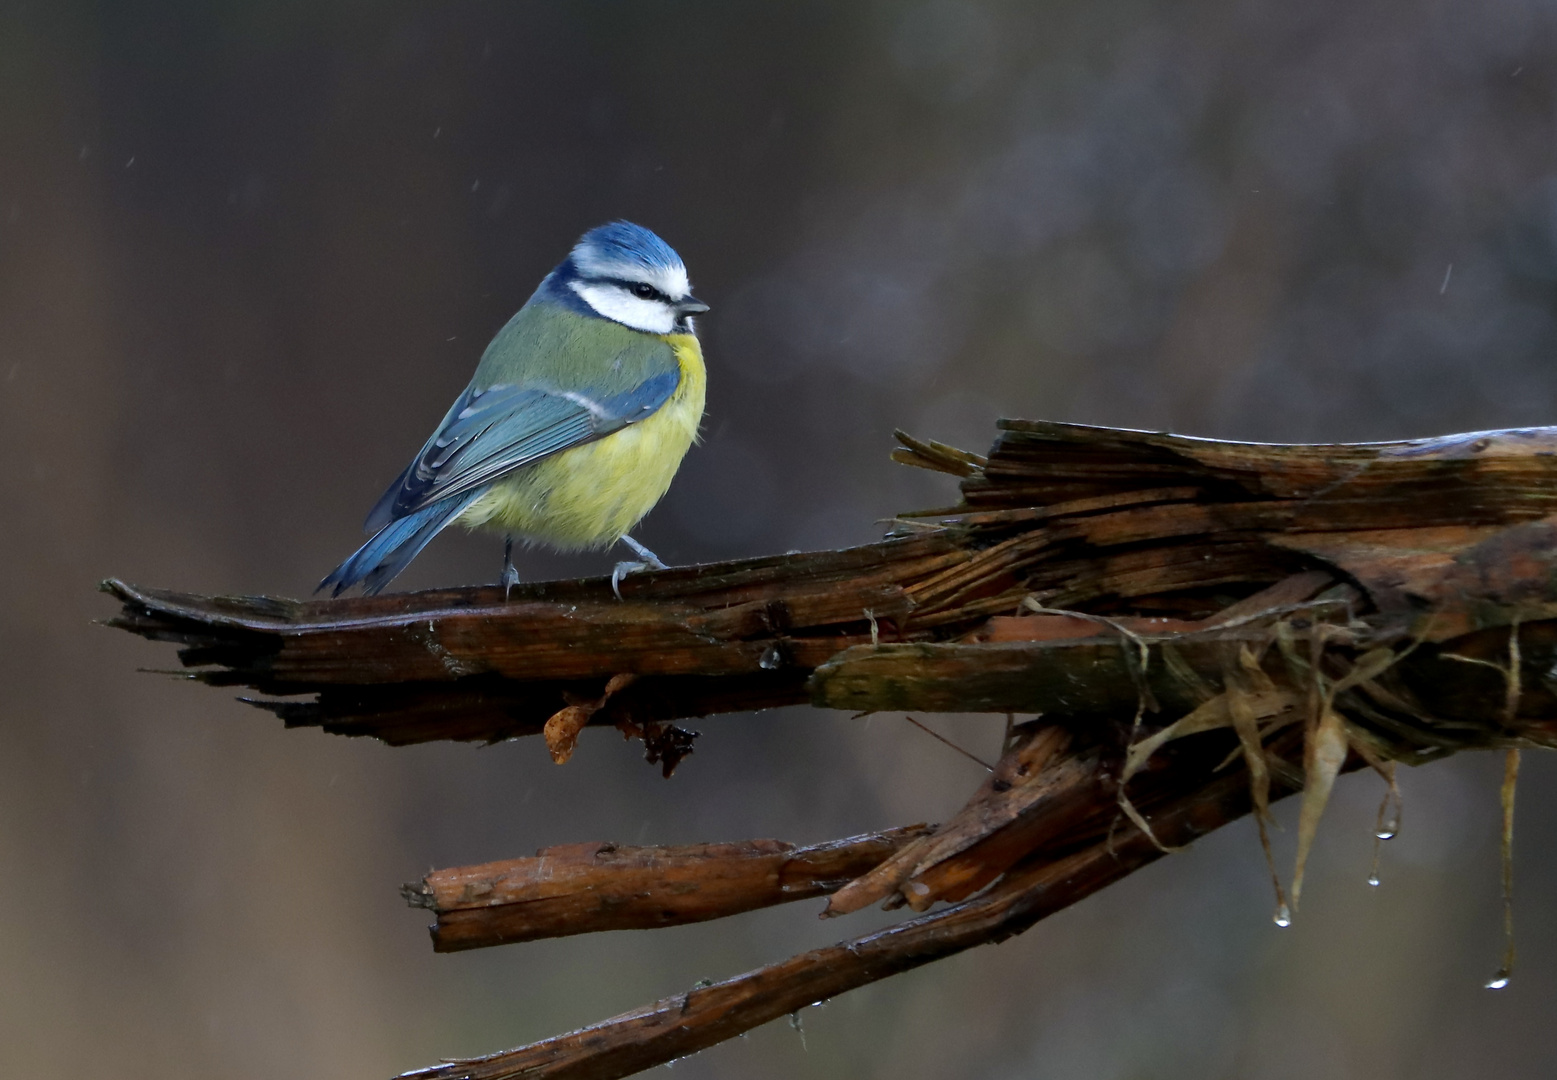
x=623, y=242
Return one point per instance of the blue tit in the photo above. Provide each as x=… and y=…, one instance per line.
x=574, y=423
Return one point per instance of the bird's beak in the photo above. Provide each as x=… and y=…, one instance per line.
x=690, y=306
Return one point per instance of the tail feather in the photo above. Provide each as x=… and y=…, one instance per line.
x=392, y=548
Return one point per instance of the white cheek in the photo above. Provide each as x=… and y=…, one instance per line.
x=616, y=304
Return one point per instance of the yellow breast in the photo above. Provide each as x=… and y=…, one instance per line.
x=591, y=495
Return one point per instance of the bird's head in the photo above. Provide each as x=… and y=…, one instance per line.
x=623, y=272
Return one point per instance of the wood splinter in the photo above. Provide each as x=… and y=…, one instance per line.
x=584, y=888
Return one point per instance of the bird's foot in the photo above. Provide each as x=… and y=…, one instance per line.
x=510, y=576
x=622, y=569
x=651, y=561
x=646, y=560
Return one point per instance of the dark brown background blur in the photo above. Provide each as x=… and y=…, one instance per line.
x=250, y=250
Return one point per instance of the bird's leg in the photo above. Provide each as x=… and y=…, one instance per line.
x=510, y=576
x=651, y=561
x=647, y=560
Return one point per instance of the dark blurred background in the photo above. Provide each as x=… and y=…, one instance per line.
x=250, y=250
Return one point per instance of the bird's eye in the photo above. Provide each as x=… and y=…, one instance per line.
x=645, y=291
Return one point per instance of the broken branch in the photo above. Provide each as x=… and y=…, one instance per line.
x=583, y=888
x=1213, y=624
x=703, y=1016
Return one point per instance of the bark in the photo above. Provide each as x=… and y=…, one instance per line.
x=703, y=1016
x=1146, y=526
x=582, y=888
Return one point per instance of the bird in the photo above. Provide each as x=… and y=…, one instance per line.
x=577, y=417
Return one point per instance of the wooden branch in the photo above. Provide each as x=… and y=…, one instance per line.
x=706, y=1015
x=1211, y=625
x=581, y=888
x=1032, y=783
x=1136, y=524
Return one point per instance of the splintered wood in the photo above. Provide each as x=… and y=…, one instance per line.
x=1201, y=628
x=581, y=888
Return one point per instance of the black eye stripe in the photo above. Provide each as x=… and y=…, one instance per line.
x=641, y=289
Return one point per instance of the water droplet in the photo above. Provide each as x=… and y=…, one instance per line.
x=1389, y=817
x=1283, y=916
x=1498, y=981
x=1373, y=879
x=794, y=1022
x=772, y=657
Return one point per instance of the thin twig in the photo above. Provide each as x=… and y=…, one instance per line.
x=937, y=735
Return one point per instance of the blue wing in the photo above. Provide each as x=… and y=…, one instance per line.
x=489, y=432
x=498, y=429
x=393, y=547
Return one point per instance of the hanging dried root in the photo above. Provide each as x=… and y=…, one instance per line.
x=1513, y=691
x=1244, y=680
x=1242, y=705
x=1255, y=707
x=1323, y=757
x=1326, y=745
x=1510, y=782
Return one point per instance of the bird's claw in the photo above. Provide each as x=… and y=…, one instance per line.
x=631, y=567
x=510, y=576
x=646, y=560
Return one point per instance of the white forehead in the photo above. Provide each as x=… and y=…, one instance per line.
x=670, y=280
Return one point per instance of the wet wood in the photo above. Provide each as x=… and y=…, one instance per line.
x=583, y=888
x=1194, y=802
x=1204, y=618
x=1029, y=777
x=1138, y=524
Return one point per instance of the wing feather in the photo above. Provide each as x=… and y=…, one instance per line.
x=494, y=430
